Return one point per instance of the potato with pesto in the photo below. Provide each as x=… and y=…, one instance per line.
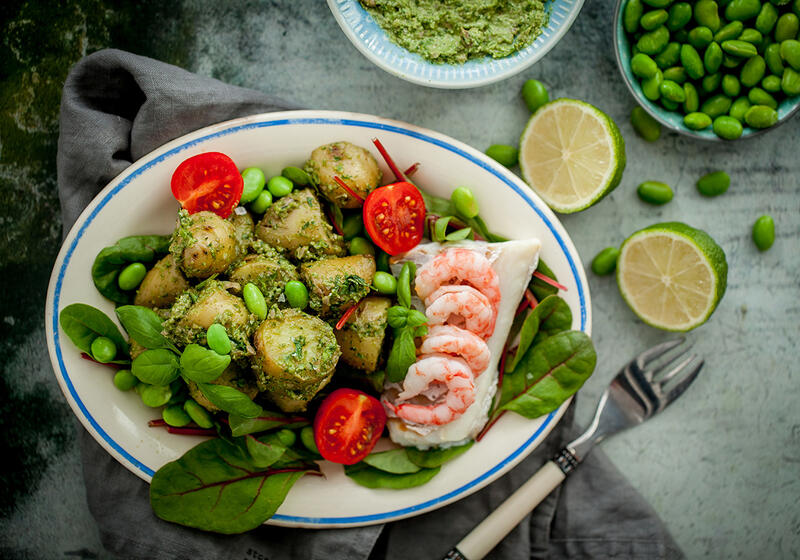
x=161, y=285
x=352, y=164
x=361, y=337
x=203, y=244
x=296, y=355
x=337, y=283
x=244, y=228
x=297, y=224
x=231, y=377
x=269, y=272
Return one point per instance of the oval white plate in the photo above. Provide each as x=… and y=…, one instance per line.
x=139, y=201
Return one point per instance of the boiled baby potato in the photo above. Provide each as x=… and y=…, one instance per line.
x=269, y=273
x=204, y=244
x=338, y=282
x=352, y=164
x=361, y=338
x=161, y=285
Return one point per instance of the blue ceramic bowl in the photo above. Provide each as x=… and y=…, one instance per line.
x=672, y=119
x=369, y=38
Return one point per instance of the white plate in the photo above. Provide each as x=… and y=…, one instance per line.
x=139, y=201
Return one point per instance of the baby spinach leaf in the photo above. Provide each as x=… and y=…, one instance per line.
x=265, y=450
x=266, y=420
x=551, y=316
x=549, y=373
x=437, y=456
x=156, y=367
x=110, y=261
x=214, y=487
x=393, y=461
x=201, y=364
x=375, y=478
x=402, y=355
x=144, y=326
x=230, y=400
x=83, y=323
x=540, y=288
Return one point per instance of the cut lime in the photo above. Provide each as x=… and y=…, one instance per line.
x=672, y=275
x=571, y=154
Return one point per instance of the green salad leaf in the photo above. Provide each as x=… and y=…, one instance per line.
x=144, y=326
x=402, y=355
x=368, y=476
x=551, y=316
x=539, y=287
x=230, y=400
x=266, y=420
x=83, y=323
x=394, y=461
x=202, y=365
x=110, y=261
x=156, y=367
x=436, y=456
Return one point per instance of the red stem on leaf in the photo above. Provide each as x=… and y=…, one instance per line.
x=548, y=280
x=398, y=175
x=489, y=425
x=411, y=170
x=345, y=316
x=347, y=188
x=192, y=431
x=157, y=423
x=86, y=356
x=333, y=222
x=531, y=299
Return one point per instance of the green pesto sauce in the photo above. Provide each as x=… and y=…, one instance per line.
x=455, y=31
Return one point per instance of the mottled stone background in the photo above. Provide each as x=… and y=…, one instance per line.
x=721, y=467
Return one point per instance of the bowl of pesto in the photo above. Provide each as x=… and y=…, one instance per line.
x=454, y=45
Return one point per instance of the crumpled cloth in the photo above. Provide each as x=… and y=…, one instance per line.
x=117, y=107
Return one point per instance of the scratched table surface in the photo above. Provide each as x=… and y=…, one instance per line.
x=720, y=467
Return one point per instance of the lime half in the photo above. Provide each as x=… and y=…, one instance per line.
x=672, y=275
x=571, y=154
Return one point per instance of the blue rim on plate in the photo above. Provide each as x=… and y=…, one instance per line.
x=65, y=255
x=369, y=38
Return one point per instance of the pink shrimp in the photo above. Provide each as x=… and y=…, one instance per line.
x=462, y=306
x=458, y=266
x=447, y=339
x=437, y=390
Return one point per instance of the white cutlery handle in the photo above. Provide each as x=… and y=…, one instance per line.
x=501, y=521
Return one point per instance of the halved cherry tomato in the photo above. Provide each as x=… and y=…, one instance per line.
x=209, y=181
x=394, y=217
x=347, y=426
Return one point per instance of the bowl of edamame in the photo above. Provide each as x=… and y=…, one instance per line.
x=711, y=70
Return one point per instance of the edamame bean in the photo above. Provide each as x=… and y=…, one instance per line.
x=790, y=53
x=217, y=339
x=464, y=202
x=771, y=83
x=764, y=232
x=535, y=93
x=653, y=42
x=643, y=66
x=279, y=186
x=658, y=3
x=654, y=192
x=752, y=71
x=296, y=176
x=382, y=260
x=706, y=13
x=124, y=380
x=680, y=14
x=631, y=15
x=727, y=127
x=198, y=414
x=729, y=31
x=790, y=82
x=174, y=415
x=716, y=106
x=729, y=61
x=670, y=56
x=739, y=108
x=741, y=10
x=786, y=28
x=697, y=121
x=645, y=125
x=669, y=105
x=154, y=395
x=254, y=182
x=691, y=60
x=605, y=261
x=131, y=276
x=767, y=18
x=352, y=224
x=692, y=102
x=653, y=19
x=712, y=58
x=772, y=56
x=752, y=36
x=652, y=87
x=700, y=36
x=761, y=116
x=254, y=300
x=503, y=154
x=731, y=85
x=296, y=294
x=675, y=74
x=714, y=183
x=384, y=283
x=672, y=91
x=103, y=349
x=739, y=48
x=361, y=246
x=262, y=202
x=758, y=96
x=711, y=82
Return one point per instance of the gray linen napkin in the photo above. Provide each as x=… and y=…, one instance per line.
x=117, y=107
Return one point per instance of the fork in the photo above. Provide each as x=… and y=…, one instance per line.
x=637, y=393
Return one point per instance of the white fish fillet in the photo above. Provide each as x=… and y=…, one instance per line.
x=514, y=263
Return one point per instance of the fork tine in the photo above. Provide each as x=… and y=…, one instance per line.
x=684, y=383
x=657, y=351
x=677, y=369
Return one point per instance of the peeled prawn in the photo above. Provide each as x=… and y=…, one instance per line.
x=458, y=266
x=462, y=306
x=447, y=339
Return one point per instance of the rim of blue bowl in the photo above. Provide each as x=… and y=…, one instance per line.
x=368, y=37
x=670, y=119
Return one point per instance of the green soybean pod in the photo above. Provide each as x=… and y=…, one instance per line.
x=653, y=42
x=534, y=92
x=217, y=339
x=731, y=85
x=711, y=82
x=790, y=53
x=631, y=15
x=296, y=175
x=652, y=87
x=692, y=102
x=124, y=380
x=645, y=125
x=361, y=246
x=767, y=18
x=771, y=83
x=706, y=13
x=716, y=105
x=741, y=10
x=714, y=183
x=254, y=181
x=764, y=232
x=198, y=414
x=761, y=116
x=691, y=60
x=712, y=58
x=742, y=49
x=254, y=300
x=605, y=262
x=752, y=71
x=260, y=204
x=739, y=108
x=786, y=28
x=175, y=416
x=643, y=66
x=504, y=154
x=758, y=96
x=729, y=31
x=790, y=82
x=700, y=36
x=675, y=74
x=131, y=276
x=772, y=56
x=669, y=104
x=296, y=294
x=672, y=91
x=654, y=192
x=729, y=61
x=669, y=56
x=697, y=121
x=103, y=349
x=680, y=14
x=727, y=128
x=653, y=19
